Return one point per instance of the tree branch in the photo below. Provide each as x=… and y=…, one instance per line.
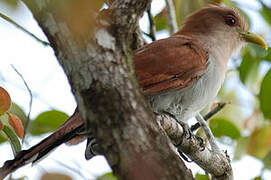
x=152, y=25
x=217, y=164
x=26, y=125
x=171, y=16
x=210, y=114
x=23, y=29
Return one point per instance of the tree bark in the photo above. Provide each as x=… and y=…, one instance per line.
x=95, y=51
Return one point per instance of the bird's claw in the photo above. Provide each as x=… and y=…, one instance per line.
x=202, y=144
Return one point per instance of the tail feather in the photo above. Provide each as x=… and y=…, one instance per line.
x=70, y=129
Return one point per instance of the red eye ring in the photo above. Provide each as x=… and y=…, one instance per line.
x=231, y=20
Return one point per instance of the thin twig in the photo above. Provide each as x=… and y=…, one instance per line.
x=171, y=16
x=30, y=102
x=217, y=108
x=152, y=25
x=23, y=29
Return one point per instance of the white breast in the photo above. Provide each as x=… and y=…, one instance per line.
x=185, y=104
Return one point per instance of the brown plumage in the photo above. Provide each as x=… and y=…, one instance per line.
x=158, y=66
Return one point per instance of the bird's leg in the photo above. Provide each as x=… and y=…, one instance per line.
x=208, y=133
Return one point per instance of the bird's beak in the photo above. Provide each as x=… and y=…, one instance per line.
x=254, y=38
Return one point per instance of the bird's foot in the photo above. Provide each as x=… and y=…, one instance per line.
x=208, y=132
x=91, y=148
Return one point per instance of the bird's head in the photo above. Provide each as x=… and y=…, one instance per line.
x=220, y=29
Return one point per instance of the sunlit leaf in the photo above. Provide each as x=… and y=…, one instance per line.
x=266, y=13
x=265, y=95
x=223, y=127
x=248, y=67
x=259, y=142
x=12, y=3
x=240, y=148
x=184, y=8
x=267, y=160
x=55, y=176
x=201, y=177
x=1, y=126
x=16, y=124
x=2, y=138
x=18, y=111
x=13, y=139
x=268, y=56
x=5, y=101
x=107, y=176
x=233, y=111
x=160, y=20
x=47, y=122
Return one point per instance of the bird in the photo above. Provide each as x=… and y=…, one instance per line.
x=178, y=75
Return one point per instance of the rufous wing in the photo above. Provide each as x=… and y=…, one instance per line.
x=167, y=64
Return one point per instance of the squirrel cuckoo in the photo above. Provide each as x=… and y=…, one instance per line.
x=178, y=75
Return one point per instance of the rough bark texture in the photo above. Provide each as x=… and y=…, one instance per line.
x=98, y=63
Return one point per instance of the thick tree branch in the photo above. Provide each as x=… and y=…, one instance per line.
x=98, y=62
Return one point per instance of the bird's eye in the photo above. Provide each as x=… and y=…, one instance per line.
x=231, y=20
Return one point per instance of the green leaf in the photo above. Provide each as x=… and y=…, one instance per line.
x=222, y=127
x=18, y=111
x=257, y=178
x=107, y=176
x=13, y=139
x=160, y=20
x=268, y=56
x=249, y=68
x=266, y=13
x=267, y=160
x=201, y=177
x=265, y=95
x=2, y=138
x=47, y=122
x=12, y=3
x=184, y=8
x=259, y=142
x=240, y=148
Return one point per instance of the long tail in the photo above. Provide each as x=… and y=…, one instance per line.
x=67, y=131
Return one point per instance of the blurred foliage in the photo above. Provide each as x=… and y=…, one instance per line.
x=161, y=20
x=47, y=121
x=266, y=13
x=107, y=176
x=259, y=142
x=201, y=177
x=11, y=3
x=55, y=176
x=265, y=95
x=224, y=127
